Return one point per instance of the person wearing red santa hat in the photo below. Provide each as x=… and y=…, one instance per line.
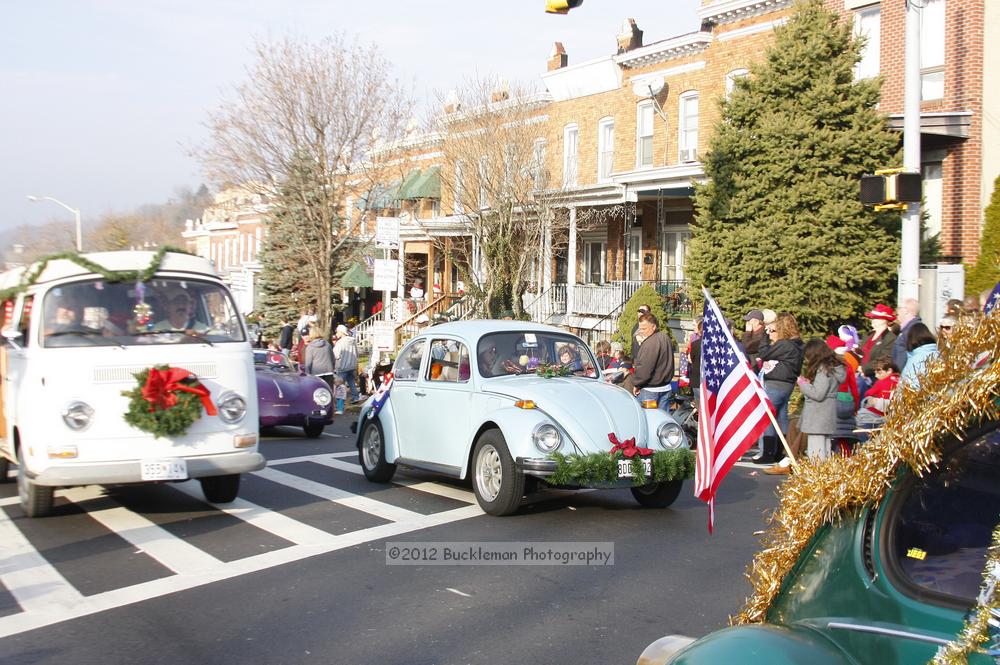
x=879, y=342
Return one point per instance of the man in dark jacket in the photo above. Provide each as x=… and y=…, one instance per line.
x=909, y=313
x=285, y=338
x=654, y=363
x=754, y=336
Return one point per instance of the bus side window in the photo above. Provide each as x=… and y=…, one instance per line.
x=24, y=324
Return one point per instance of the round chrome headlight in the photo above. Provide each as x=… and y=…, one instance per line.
x=670, y=435
x=322, y=396
x=547, y=437
x=232, y=407
x=77, y=415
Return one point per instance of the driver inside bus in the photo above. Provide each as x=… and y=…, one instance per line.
x=178, y=314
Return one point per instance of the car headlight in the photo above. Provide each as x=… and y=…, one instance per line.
x=670, y=435
x=546, y=437
x=322, y=396
x=232, y=407
x=77, y=415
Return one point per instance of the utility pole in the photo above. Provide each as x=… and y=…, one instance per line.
x=909, y=267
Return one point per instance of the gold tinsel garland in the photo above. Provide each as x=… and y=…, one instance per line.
x=976, y=630
x=951, y=394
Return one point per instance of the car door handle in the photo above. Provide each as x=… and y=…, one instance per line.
x=420, y=394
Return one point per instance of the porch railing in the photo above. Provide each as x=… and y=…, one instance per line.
x=409, y=327
x=602, y=299
x=548, y=303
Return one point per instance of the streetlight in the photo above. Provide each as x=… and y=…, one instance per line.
x=75, y=211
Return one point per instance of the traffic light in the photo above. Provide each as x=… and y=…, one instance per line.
x=561, y=6
x=890, y=189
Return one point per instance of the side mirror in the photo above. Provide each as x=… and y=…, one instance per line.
x=12, y=337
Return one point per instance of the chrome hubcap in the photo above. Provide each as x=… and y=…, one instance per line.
x=372, y=448
x=489, y=473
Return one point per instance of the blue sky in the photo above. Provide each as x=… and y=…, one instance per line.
x=101, y=100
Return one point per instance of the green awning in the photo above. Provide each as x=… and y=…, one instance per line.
x=356, y=278
x=404, y=188
x=427, y=186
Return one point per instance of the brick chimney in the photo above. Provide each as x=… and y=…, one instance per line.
x=558, y=59
x=630, y=36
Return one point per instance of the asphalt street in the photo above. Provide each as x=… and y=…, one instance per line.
x=295, y=571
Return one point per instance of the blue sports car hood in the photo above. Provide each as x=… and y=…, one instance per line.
x=588, y=410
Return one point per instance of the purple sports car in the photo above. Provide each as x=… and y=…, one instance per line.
x=287, y=396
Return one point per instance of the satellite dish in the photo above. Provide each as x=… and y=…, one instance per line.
x=648, y=87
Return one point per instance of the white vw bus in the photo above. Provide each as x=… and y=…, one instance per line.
x=74, y=341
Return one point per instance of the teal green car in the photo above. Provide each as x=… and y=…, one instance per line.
x=887, y=583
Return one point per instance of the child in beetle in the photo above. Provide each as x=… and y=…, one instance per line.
x=339, y=394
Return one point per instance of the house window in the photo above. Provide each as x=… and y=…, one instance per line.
x=458, y=206
x=932, y=50
x=635, y=254
x=731, y=79
x=867, y=24
x=644, y=134
x=538, y=164
x=605, y=148
x=484, y=199
x=673, y=252
x=594, y=252
x=571, y=146
x=687, y=139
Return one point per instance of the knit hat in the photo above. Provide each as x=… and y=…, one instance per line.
x=850, y=336
x=769, y=316
x=836, y=344
x=948, y=321
x=883, y=312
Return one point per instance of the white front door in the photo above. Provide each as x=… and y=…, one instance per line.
x=634, y=254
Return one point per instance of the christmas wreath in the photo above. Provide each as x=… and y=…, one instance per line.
x=166, y=401
x=553, y=370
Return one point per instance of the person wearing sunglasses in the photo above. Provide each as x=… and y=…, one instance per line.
x=781, y=364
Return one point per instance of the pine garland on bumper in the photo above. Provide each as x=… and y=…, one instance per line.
x=602, y=469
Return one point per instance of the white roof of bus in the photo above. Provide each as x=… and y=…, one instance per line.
x=113, y=261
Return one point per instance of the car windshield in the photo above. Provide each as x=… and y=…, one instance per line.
x=273, y=359
x=95, y=312
x=505, y=353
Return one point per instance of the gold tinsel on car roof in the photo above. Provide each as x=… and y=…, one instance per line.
x=959, y=388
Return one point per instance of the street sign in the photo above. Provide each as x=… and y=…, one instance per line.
x=386, y=275
x=383, y=335
x=387, y=232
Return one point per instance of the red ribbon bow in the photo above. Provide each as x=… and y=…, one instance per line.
x=162, y=385
x=628, y=447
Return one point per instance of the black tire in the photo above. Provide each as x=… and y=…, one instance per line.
x=36, y=500
x=313, y=430
x=371, y=452
x=498, y=485
x=220, y=489
x=4, y=469
x=658, y=495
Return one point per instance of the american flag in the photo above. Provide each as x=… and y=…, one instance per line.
x=733, y=408
x=993, y=300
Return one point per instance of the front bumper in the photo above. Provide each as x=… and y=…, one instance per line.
x=536, y=466
x=128, y=471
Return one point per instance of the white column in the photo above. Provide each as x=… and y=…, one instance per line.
x=909, y=267
x=547, y=254
x=571, y=263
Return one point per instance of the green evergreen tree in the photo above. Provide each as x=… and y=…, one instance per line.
x=779, y=224
x=294, y=274
x=986, y=273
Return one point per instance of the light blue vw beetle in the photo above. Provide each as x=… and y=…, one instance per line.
x=510, y=404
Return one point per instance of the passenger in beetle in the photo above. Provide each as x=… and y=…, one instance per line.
x=487, y=359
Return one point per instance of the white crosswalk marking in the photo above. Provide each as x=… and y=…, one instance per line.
x=370, y=506
x=34, y=583
x=46, y=597
x=176, y=554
